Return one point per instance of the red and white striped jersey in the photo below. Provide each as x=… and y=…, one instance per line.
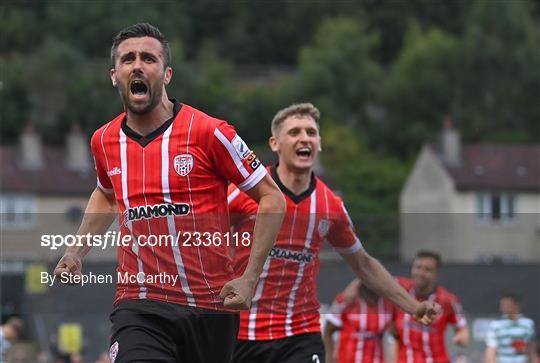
x=361, y=329
x=425, y=344
x=173, y=182
x=285, y=301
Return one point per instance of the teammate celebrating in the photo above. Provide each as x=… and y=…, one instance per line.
x=418, y=343
x=283, y=323
x=361, y=323
x=164, y=167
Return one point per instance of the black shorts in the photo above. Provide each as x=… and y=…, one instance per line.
x=156, y=331
x=303, y=348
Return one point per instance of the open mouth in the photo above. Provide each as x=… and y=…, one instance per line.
x=303, y=152
x=138, y=88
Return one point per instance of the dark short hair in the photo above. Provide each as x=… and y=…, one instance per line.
x=514, y=297
x=430, y=254
x=140, y=30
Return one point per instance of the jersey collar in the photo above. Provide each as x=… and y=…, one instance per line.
x=145, y=140
x=296, y=198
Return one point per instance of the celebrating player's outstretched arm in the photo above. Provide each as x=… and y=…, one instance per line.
x=98, y=217
x=376, y=277
x=239, y=292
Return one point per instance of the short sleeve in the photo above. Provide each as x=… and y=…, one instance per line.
x=335, y=313
x=98, y=151
x=342, y=235
x=241, y=208
x=456, y=315
x=233, y=159
x=491, y=338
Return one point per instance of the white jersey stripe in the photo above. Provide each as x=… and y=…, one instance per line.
x=361, y=330
x=255, y=302
x=300, y=274
x=233, y=195
x=291, y=234
x=170, y=219
x=253, y=179
x=148, y=221
x=232, y=153
x=134, y=245
x=425, y=338
x=215, y=298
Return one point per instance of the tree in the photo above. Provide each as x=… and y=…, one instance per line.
x=369, y=182
x=338, y=73
x=501, y=73
x=421, y=88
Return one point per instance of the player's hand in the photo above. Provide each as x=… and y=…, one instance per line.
x=237, y=294
x=427, y=312
x=70, y=263
x=461, y=337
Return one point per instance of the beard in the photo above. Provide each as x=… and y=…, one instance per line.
x=141, y=108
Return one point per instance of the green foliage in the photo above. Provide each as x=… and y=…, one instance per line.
x=385, y=72
x=14, y=101
x=421, y=88
x=370, y=184
x=337, y=71
x=501, y=71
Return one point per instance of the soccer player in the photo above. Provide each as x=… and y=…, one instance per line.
x=9, y=333
x=511, y=338
x=422, y=344
x=283, y=323
x=361, y=323
x=164, y=166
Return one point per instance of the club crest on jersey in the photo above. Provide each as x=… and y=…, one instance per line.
x=183, y=164
x=323, y=227
x=240, y=147
x=113, y=352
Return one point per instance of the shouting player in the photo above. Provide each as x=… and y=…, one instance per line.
x=422, y=344
x=283, y=323
x=361, y=323
x=164, y=166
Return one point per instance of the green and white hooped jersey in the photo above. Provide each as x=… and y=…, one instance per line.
x=511, y=339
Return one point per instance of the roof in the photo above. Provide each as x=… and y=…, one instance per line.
x=497, y=167
x=53, y=178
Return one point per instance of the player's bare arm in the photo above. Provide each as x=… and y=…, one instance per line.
x=461, y=336
x=329, y=330
x=377, y=278
x=239, y=292
x=532, y=353
x=490, y=355
x=98, y=217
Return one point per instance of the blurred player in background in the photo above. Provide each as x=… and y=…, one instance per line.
x=361, y=324
x=511, y=338
x=283, y=323
x=164, y=167
x=10, y=331
x=426, y=344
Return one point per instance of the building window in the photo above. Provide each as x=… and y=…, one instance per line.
x=17, y=211
x=496, y=206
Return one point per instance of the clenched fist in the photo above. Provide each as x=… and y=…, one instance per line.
x=237, y=294
x=427, y=312
x=69, y=263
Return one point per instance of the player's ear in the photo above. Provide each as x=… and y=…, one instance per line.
x=112, y=74
x=320, y=145
x=168, y=75
x=273, y=143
